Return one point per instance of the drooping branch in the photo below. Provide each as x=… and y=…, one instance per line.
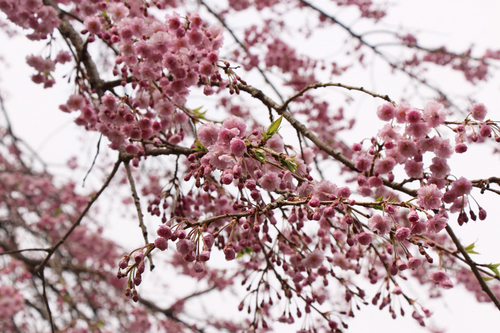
x=77, y=222
x=472, y=264
x=137, y=203
x=331, y=84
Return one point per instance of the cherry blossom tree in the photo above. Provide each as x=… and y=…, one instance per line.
x=221, y=134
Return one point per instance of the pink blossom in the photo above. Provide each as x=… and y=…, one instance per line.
x=208, y=134
x=237, y=147
x=365, y=238
x=436, y=224
x=401, y=111
x=402, y=233
x=461, y=186
x=413, y=116
x=479, y=111
x=384, y=165
x=314, y=259
x=414, y=263
x=161, y=244
x=441, y=279
x=386, y=112
x=363, y=163
x=460, y=148
x=92, y=24
x=433, y=114
x=407, y=148
x=233, y=122
x=184, y=246
x=418, y=130
x=414, y=169
x=439, y=167
x=269, y=181
x=485, y=131
x=429, y=197
x=379, y=224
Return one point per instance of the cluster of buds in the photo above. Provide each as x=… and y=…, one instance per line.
x=133, y=270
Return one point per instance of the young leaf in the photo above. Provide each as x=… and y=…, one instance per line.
x=259, y=154
x=274, y=127
x=470, y=249
x=493, y=268
x=199, y=146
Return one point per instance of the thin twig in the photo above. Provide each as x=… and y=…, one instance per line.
x=137, y=203
x=93, y=199
x=46, y=301
x=95, y=158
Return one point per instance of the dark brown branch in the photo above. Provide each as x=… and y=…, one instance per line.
x=169, y=313
x=79, y=219
x=221, y=20
x=137, y=203
x=68, y=32
x=473, y=266
x=46, y=301
x=383, y=56
x=330, y=84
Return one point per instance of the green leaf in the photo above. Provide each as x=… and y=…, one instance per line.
x=272, y=129
x=200, y=114
x=246, y=250
x=379, y=199
x=199, y=146
x=487, y=278
x=289, y=163
x=494, y=269
x=378, y=207
x=470, y=249
x=259, y=154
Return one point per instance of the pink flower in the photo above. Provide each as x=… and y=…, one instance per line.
x=414, y=169
x=439, y=167
x=402, y=234
x=461, y=186
x=485, y=131
x=363, y=163
x=235, y=122
x=436, y=224
x=460, y=148
x=365, y=238
x=441, y=279
x=401, y=111
x=407, y=148
x=379, y=223
x=185, y=246
x=429, y=197
x=479, y=111
x=314, y=259
x=161, y=243
x=229, y=253
x=92, y=24
x=433, y=114
x=237, y=147
x=414, y=263
x=418, y=130
x=413, y=116
x=208, y=133
x=269, y=181
x=386, y=112
x=385, y=165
